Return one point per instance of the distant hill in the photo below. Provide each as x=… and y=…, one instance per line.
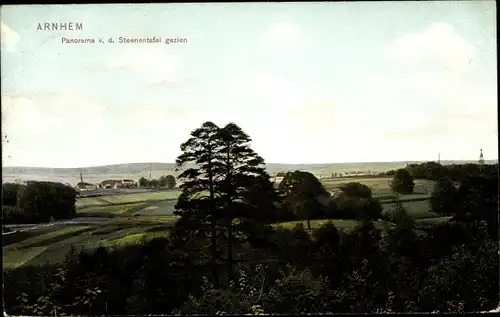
x=96, y=174
x=105, y=169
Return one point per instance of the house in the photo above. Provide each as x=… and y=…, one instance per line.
x=85, y=186
x=128, y=183
x=111, y=183
x=118, y=183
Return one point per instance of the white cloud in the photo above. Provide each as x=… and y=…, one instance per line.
x=430, y=97
x=159, y=65
x=34, y=124
x=9, y=38
x=280, y=37
x=270, y=89
x=437, y=47
x=69, y=130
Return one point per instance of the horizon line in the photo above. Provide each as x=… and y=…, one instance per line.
x=270, y=163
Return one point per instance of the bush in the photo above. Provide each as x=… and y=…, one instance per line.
x=355, y=189
x=402, y=183
x=166, y=181
x=327, y=236
x=143, y=182
x=356, y=208
x=399, y=216
x=170, y=182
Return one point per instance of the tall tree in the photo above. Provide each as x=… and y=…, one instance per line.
x=243, y=178
x=228, y=190
x=201, y=150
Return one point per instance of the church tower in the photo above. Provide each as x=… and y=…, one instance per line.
x=481, y=157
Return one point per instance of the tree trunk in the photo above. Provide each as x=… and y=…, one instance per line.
x=230, y=218
x=230, y=250
x=309, y=224
x=213, y=244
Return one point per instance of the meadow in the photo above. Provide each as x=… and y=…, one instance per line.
x=133, y=218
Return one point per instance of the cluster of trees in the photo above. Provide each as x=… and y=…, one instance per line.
x=37, y=202
x=224, y=257
x=475, y=198
x=455, y=172
x=167, y=181
x=303, y=197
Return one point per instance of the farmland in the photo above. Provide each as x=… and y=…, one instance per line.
x=132, y=218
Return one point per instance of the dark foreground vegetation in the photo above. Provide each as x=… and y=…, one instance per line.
x=223, y=256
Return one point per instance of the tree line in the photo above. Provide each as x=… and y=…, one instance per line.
x=35, y=202
x=167, y=181
x=224, y=256
x=455, y=172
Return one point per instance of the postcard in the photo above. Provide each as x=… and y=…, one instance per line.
x=249, y=158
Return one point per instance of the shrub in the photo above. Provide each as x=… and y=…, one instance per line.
x=356, y=208
x=402, y=183
x=170, y=182
x=355, y=189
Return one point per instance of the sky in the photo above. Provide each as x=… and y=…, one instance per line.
x=308, y=82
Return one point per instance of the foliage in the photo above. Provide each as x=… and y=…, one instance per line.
x=402, y=182
x=11, y=192
x=355, y=202
x=167, y=181
x=443, y=197
x=301, y=191
x=225, y=195
x=477, y=200
x=356, y=189
x=399, y=216
x=143, y=182
x=455, y=172
x=38, y=202
x=292, y=292
x=170, y=182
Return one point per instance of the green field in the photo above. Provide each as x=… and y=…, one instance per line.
x=127, y=198
x=121, y=224
x=129, y=219
x=53, y=246
x=113, y=210
x=380, y=186
x=133, y=239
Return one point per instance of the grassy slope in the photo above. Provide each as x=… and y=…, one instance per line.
x=128, y=198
